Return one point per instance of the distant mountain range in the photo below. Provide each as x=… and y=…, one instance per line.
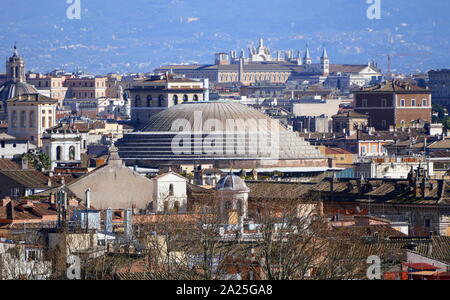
x=139, y=35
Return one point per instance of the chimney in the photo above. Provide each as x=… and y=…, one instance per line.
x=88, y=198
x=128, y=223
x=10, y=210
x=109, y=220
x=52, y=198
x=5, y=201
x=24, y=164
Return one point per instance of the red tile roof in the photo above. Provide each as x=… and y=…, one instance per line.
x=6, y=164
x=333, y=151
x=420, y=266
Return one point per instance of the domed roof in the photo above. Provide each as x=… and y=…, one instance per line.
x=216, y=130
x=232, y=183
x=214, y=110
x=12, y=89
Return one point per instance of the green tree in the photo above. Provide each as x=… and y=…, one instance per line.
x=40, y=161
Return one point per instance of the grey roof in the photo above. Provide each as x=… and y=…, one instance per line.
x=242, y=128
x=33, y=97
x=232, y=183
x=12, y=89
x=217, y=110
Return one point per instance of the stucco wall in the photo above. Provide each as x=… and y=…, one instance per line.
x=115, y=187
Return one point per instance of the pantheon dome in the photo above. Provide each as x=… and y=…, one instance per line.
x=222, y=133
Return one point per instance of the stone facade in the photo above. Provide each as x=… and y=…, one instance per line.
x=169, y=193
x=30, y=115
x=393, y=104
x=114, y=186
x=62, y=147
x=439, y=83
x=149, y=97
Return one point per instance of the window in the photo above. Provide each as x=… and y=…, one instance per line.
x=427, y=223
x=413, y=103
x=149, y=100
x=176, y=207
x=424, y=102
x=374, y=149
x=185, y=98
x=161, y=101
x=384, y=124
x=171, y=192
x=383, y=103
x=14, y=119
x=23, y=119
x=31, y=255
x=402, y=102
x=58, y=153
x=195, y=97
x=364, y=103
x=50, y=121
x=363, y=150
x=31, y=119
x=137, y=102
x=175, y=100
x=2, y=144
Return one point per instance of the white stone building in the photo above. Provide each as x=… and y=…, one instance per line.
x=11, y=147
x=62, y=146
x=170, y=193
x=30, y=115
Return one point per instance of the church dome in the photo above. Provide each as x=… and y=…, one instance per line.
x=214, y=110
x=223, y=133
x=232, y=183
x=13, y=89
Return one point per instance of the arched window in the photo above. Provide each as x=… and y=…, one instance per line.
x=195, y=97
x=23, y=119
x=239, y=206
x=161, y=101
x=31, y=119
x=175, y=100
x=72, y=153
x=58, y=153
x=137, y=102
x=171, y=192
x=166, y=206
x=185, y=98
x=149, y=100
x=14, y=119
x=176, y=206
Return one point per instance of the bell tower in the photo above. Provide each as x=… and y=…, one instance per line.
x=325, y=62
x=15, y=67
x=307, y=60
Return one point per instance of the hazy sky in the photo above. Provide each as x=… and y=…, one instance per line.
x=138, y=35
